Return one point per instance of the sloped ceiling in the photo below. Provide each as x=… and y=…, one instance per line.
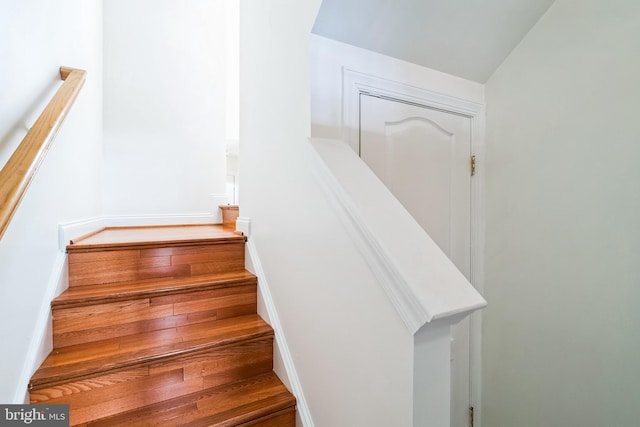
x=466, y=38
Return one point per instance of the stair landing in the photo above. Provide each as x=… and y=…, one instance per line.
x=156, y=236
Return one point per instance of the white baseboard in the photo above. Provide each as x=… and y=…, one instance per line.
x=72, y=230
x=243, y=225
x=41, y=342
x=163, y=219
x=254, y=265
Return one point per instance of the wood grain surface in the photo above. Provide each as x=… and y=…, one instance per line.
x=160, y=327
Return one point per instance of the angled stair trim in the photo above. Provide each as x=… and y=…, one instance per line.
x=420, y=280
x=397, y=289
x=302, y=407
x=71, y=230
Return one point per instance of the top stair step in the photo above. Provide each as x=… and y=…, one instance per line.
x=155, y=236
x=125, y=254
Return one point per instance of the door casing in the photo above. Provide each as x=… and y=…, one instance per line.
x=354, y=84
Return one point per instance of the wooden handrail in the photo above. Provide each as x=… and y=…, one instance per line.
x=17, y=173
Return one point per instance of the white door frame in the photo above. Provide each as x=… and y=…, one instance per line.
x=354, y=84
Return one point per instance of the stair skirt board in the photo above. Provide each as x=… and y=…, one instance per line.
x=271, y=316
x=139, y=350
x=41, y=341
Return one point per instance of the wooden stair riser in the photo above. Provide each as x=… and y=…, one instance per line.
x=91, y=359
x=129, y=264
x=284, y=418
x=136, y=387
x=230, y=214
x=81, y=324
x=159, y=327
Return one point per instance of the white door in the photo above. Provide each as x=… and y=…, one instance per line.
x=423, y=156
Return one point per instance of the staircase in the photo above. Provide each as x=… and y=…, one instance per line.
x=159, y=327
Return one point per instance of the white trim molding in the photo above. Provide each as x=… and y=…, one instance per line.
x=424, y=286
x=243, y=225
x=161, y=219
x=420, y=280
x=395, y=286
x=355, y=83
x=71, y=230
x=255, y=266
x=41, y=342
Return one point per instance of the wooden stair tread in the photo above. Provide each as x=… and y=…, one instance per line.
x=228, y=405
x=158, y=236
x=112, y=292
x=159, y=327
x=85, y=360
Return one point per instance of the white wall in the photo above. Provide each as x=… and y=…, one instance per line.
x=351, y=350
x=328, y=57
x=164, y=106
x=561, y=335
x=37, y=37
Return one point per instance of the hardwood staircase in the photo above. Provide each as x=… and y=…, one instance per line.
x=159, y=326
